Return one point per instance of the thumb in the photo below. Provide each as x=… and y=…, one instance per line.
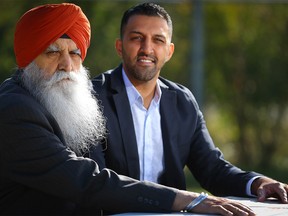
x=261, y=194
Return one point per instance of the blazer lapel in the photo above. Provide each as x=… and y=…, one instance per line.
x=126, y=122
x=173, y=168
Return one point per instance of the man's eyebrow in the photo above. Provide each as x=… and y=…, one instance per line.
x=52, y=47
x=55, y=48
x=77, y=51
x=138, y=32
x=135, y=32
x=160, y=36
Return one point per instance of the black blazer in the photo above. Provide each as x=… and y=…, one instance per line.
x=40, y=175
x=186, y=139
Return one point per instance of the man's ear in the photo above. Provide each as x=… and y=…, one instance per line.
x=118, y=46
x=171, y=51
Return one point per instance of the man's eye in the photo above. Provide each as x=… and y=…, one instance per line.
x=159, y=40
x=137, y=38
x=76, y=52
x=52, y=53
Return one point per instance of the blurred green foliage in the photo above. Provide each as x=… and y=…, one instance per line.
x=245, y=61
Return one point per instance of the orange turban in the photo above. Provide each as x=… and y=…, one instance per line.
x=43, y=25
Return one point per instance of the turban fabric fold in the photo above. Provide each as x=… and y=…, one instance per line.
x=43, y=25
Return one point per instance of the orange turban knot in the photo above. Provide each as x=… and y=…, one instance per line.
x=43, y=25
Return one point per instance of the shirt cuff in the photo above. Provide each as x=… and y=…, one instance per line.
x=249, y=184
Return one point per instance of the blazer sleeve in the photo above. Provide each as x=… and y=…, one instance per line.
x=207, y=162
x=33, y=155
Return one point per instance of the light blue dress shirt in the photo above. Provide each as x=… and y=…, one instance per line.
x=147, y=125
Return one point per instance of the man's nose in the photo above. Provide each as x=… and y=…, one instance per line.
x=65, y=63
x=147, y=47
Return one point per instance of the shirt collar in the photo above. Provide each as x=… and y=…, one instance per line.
x=133, y=93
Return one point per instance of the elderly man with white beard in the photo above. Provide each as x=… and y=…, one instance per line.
x=48, y=120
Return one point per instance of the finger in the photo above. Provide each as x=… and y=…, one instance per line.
x=283, y=193
x=261, y=194
x=244, y=208
x=236, y=211
x=218, y=209
x=277, y=190
x=239, y=209
x=231, y=210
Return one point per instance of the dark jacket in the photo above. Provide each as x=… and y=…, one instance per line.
x=186, y=139
x=40, y=175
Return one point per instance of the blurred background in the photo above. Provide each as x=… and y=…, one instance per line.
x=232, y=54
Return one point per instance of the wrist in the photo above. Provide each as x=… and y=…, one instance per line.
x=255, y=185
x=196, y=201
x=182, y=199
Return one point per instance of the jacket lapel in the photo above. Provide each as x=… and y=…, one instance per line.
x=168, y=109
x=126, y=122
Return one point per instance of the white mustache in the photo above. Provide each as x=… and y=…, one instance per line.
x=61, y=75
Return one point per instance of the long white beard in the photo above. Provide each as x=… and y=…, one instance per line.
x=68, y=97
